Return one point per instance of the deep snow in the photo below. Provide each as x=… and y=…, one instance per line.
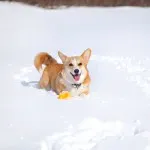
x=116, y=116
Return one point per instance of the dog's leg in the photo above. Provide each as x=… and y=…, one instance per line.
x=85, y=93
x=60, y=88
x=44, y=81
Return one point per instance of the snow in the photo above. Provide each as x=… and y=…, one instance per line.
x=116, y=114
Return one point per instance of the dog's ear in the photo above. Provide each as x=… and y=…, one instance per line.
x=86, y=55
x=62, y=56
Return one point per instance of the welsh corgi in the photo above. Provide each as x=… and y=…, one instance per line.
x=71, y=75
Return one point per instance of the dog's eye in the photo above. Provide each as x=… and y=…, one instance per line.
x=70, y=64
x=79, y=64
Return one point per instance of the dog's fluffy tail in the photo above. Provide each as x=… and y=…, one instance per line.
x=43, y=58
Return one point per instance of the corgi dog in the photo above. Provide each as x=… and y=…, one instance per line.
x=71, y=75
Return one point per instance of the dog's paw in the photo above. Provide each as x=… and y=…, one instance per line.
x=85, y=96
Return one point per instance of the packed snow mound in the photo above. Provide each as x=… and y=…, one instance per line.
x=91, y=133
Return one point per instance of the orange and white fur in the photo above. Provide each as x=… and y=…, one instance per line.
x=72, y=75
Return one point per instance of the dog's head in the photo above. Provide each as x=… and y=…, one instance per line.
x=75, y=67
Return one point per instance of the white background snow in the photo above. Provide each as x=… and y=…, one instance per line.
x=117, y=114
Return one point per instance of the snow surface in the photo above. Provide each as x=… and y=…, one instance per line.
x=116, y=115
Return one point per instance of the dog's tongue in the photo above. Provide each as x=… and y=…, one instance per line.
x=77, y=77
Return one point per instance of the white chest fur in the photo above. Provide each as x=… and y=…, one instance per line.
x=75, y=91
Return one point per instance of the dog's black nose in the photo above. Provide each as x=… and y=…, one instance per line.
x=76, y=71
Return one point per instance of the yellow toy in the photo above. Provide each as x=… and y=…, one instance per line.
x=64, y=95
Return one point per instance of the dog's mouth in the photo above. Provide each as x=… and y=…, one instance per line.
x=76, y=76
